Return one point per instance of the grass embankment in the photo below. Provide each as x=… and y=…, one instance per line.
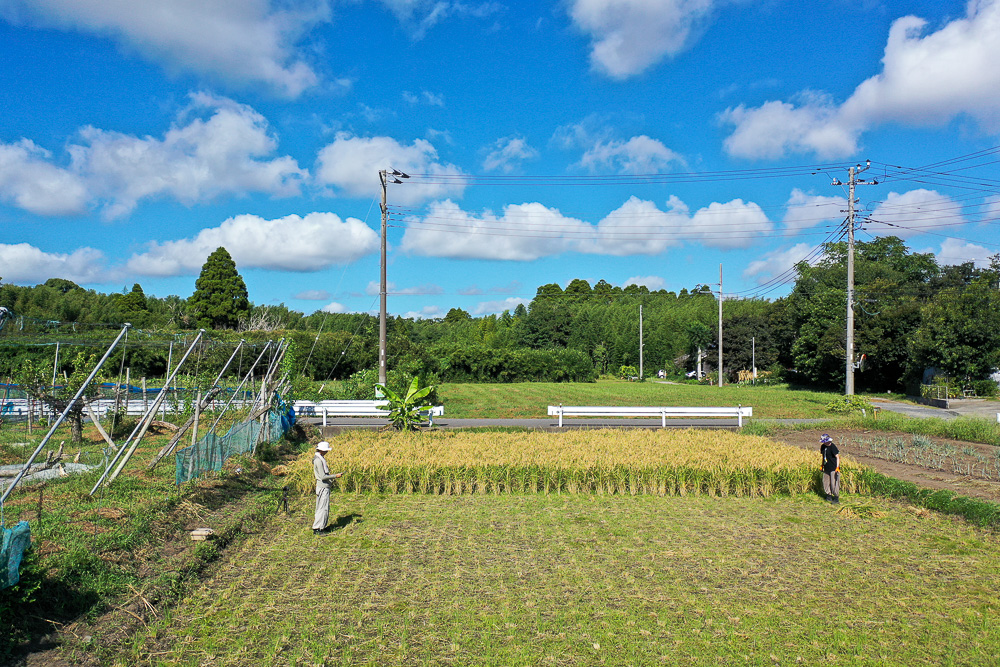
x=611, y=461
x=595, y=580
x=530, y=399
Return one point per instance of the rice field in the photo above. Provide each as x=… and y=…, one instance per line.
x=662, y=462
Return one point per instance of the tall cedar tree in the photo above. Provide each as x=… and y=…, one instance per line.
x=220, y=297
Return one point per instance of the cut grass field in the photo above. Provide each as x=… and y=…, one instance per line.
x=530, y=399
x=594, y=580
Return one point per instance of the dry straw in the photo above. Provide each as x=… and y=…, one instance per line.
x=613, y=461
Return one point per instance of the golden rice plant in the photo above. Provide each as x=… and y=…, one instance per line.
x=611, y=461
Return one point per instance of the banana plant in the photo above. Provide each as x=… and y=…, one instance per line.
x=404, y=411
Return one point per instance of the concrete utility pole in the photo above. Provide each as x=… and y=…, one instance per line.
x=640, y=342
x=720, y=325
x=853, y=180
x=383, y=177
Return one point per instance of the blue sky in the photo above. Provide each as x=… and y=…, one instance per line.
x=635, y=141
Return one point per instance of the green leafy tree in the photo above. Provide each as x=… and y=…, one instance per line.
x=888, y=281
x=133, y=306
x=578, y=288
x=457, y=315
x=220, y=297
x=959, y=333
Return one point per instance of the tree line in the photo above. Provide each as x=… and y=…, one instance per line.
x=913, y=318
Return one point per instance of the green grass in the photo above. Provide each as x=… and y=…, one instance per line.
x=595, y=580
x=530, y=399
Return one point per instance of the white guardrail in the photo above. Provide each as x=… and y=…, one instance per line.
x=332, y=408
x=648, y=411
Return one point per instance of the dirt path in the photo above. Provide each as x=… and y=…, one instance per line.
x=970, y=486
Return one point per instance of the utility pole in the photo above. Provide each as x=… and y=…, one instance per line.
x=383, y=177
x=849, y=356
x=720, y=325
x=640, y=342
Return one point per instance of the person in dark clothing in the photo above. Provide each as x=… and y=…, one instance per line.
x=831, y=468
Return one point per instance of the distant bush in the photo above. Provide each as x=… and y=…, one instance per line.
x=360, y=386
x=845, y=405
x=485, y=364
x=985, y=388
x=626, y=372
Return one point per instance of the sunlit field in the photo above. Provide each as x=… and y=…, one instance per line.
x=578, y=579
x=530, y=399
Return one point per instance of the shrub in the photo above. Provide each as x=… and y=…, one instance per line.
x=985, y=388
x=626, y=372
x=845, y=405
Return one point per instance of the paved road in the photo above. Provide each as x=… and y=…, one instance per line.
x=982, y=408
x=335, y=425
x=964, y=407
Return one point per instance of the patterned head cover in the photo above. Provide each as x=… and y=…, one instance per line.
x=826, y=439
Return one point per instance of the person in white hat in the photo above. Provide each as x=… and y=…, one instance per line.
x=323, y=480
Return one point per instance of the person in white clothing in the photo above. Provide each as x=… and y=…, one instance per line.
x=323, y=482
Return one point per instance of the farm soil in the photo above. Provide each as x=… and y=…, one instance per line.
x=931, y=478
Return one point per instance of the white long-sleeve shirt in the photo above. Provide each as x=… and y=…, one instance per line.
x=321, y=471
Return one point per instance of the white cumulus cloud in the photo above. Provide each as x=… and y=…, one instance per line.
x=638, y=155
x=225, y=152
x=506, y=154
x=251, y=41
x=638, y=227
x=523, y=232
x=497, y=307
x=334, y=307
x=425, y=313
x=293, y=243
x=25, y=264
x=28, y=180
x=955, y=251
x=529, y=231
x=629, y=36
x=351, y=165
x=803, y=210
x=927, y=78
x=911, y=213
x=777, y=262
x=652, y=283
x=733, y=224
x=215, y=147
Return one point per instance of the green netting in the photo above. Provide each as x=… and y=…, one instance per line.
x=16, y=541
x=212, y=451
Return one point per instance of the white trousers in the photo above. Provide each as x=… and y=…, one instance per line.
x=322, y=507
